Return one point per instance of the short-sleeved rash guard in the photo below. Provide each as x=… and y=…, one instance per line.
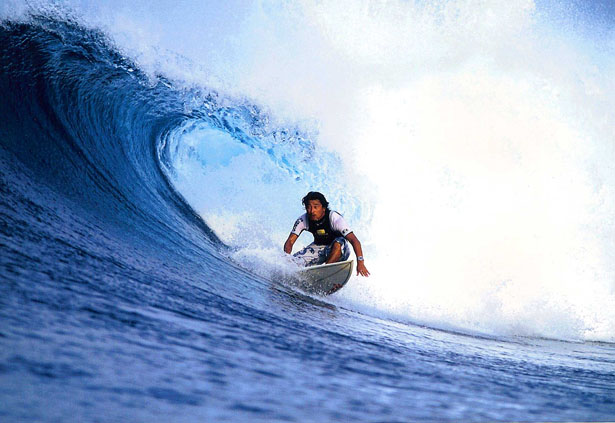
x=337, y=222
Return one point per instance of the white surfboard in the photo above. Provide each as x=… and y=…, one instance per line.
x=324, y=279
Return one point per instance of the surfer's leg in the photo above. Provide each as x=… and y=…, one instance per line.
x=335, y=253
x=311, y=255
x=338, y=250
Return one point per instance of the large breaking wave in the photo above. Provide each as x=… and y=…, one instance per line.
x=470, y=147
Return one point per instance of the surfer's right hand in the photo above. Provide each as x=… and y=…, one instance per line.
x=361, y=269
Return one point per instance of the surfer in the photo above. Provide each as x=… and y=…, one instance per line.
x=331, y=235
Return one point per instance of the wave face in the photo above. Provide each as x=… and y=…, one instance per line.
x=470, y=143
x=145, y=195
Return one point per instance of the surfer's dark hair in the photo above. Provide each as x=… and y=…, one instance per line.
x=313, y=195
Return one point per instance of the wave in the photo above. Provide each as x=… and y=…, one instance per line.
x=473, y=163
x=81, y=124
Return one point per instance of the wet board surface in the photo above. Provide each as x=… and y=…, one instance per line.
x=324, y=279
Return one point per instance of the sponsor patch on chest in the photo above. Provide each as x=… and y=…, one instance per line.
x=321, y=232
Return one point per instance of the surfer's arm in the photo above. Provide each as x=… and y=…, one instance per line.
x=356, y=246
x=288, y=245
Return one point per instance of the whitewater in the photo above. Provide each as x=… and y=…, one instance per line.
x=153, y=158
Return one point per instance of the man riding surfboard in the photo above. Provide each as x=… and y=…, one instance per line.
x=331, y=235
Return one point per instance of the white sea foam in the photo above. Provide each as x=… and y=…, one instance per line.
x=476, y=139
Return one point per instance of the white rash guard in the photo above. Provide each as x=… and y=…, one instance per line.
x=338, y=223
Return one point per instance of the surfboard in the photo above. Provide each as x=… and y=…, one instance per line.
x=324, y=279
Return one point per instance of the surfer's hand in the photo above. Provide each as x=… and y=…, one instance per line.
x=361, y=269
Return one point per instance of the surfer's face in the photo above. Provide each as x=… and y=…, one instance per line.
x=315, y=210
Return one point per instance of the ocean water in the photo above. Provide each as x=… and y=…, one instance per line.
x=152, y=161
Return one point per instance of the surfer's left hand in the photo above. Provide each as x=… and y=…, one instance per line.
x=361, y=269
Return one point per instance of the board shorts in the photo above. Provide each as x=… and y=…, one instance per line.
x=317, y=254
